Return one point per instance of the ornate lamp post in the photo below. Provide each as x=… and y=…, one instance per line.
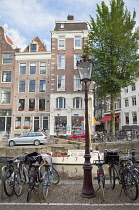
x=85, y=70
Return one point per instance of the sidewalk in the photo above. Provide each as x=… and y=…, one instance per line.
x=67, y=196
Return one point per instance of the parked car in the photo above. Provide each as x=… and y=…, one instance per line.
x=35, y=138
x=80, y=135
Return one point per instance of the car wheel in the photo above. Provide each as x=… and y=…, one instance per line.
x=11, y=143
x=36, y=142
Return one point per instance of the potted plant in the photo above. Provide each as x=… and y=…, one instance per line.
x=18, y=127
x=26, y=127
x=20, y=109
x=31, y=109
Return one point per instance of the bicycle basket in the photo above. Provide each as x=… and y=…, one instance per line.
x=32, y=158
x=111, y=157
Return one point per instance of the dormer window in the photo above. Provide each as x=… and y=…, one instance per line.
x=62, y=25
x=33, y=47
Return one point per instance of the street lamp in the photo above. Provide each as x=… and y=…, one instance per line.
x=85, y=70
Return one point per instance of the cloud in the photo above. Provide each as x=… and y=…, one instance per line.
x=19, y=40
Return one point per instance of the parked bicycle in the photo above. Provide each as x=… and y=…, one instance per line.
x=100, y=176
x=45, y=177
x=15, y=175
x=124, y=175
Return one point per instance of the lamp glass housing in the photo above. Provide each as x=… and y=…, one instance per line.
x=85, y=70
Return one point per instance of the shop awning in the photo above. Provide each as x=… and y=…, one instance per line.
x=107, y=118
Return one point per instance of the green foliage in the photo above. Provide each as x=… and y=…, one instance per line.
x=113, y=42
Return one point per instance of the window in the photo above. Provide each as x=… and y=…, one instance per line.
x=32, y=86
x=42, y=68
x=134, y=117
x=126, y=89
x=108, y=105
x=22, y=68
x=5, y=95
x=7, y=58
x=117, y=104
x=22, y=86
x=61, y=42
x=6, y=76
x=133, y=87
x=42, y=87
x=127, y=118
x=126, y=102
x=60, y=82
x=77, y=57
x=77, y=84
x=41, y=104
x=61, y=61
x=18, y=123
x=31, y=104
x=32, y=68
x=45, y=123
x=62, y=25
x=60, y=103
x=134, y=101
x=27, y=122
x=33, y=47
x=77, y=103
x=21, y=105
x=77, y=42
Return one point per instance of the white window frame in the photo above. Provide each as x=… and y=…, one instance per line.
x=61, y=39
x=4, y=76
x=134, y=114
x=133, y=87
x=134, y=101
x=61, y=61
x=33, y=85
x=60, y=103
x=126, y=102
x=24, y=65
x=32, y=64
x=76, y=58
x=8, y=59
x=77, y=103
x=77, y=84
x=126, y=116
x=43, y=85
x=61, y=82
x=77, y=38
x=5, y=95
x=35, y=45
x=43, y=66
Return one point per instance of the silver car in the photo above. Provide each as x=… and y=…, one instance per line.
x=35, y=138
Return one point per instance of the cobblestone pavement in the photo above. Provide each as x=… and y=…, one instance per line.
x=67, y=197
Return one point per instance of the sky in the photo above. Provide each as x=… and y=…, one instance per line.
x=23, y=20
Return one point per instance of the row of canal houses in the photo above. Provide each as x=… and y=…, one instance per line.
x=41, y=90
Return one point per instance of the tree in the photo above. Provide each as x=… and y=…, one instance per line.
x=113, y=42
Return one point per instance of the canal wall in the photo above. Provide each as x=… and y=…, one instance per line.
x=7, y=151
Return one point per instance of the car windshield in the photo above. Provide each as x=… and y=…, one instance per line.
x=79, y=133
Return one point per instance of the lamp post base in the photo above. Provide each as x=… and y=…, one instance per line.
x=87, y=190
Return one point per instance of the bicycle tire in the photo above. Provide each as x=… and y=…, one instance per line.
x=8, y=182
x=112, y=176
x=101, y=186
x=17, y=185
x=45, y=185
x=31, y=185
x=130, y=184
x=29, y=194
x=55, y=178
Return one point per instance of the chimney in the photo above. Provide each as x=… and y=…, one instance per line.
x=70, y=17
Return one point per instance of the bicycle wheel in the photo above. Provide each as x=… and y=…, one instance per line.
x=101, y=186
x=130, y=185
x=31, y=185
x=17, y=186
x=112, y=176
x=8, y=182
x=45, y=185
x=54, y=176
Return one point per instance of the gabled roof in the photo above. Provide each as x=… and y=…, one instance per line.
x=41, y=47
x=9, y=40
